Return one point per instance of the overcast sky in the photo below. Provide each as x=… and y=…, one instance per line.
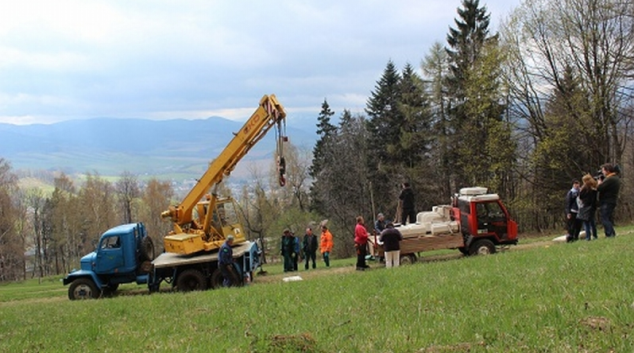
x=159, y=59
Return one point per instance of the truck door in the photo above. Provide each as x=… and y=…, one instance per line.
x=492, y=219
x=109, y=255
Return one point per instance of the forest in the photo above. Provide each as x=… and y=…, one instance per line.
x=523, y=112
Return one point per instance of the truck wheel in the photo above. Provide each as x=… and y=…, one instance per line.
x=83, y=288
x=217, y=278
x=147, y=249
x=482, y=247
x=191, y=280
x=408, y=259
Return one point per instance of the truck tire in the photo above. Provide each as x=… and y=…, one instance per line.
x=482, y=247
x=408, y=259
x=83, y=288
x=217, y=278
x=147, y=249
x=191, y=280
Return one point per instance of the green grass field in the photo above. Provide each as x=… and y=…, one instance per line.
x=546, y=297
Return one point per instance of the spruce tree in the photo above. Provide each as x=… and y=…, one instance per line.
x=383, y=126
x=325, y=130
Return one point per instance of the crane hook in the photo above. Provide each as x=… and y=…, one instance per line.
x=281, y=167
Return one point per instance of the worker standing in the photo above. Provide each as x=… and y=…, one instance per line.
x=408, y=207
x=326, y=244
x=287, y=250
x=225, y=262
x=361, y=243
x=296, y=251
x=309, y=246
x=379, y=225
x=391, y=238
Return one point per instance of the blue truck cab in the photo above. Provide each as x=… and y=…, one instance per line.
x=123, y=255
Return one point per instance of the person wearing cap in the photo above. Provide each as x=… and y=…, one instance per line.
x=379, y=225
x=287, y=250
x=390, y=237
x=225, y=262
x=325, y=244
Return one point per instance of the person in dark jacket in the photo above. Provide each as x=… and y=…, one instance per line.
x=379, y=224
x=225, y=262
x=608, y=189
x=287, y=250
x=309, y=246
x=391, y=238
x=588, y=205
x=572, y=209
x=408, y=207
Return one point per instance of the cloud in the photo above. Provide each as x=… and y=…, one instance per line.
x=69, y=59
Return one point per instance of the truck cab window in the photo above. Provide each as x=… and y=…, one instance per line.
x=111, y=243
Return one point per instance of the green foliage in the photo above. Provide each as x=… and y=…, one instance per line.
x=549, y=298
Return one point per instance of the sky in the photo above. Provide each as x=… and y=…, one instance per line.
x=192, y=59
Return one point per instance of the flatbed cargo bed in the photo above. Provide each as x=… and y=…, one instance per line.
x=171, y=259
x=420, y=244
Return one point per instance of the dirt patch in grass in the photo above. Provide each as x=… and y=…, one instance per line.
x=596, y=323
x=303, y=342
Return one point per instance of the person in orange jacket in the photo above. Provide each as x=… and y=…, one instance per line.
x=325, y=244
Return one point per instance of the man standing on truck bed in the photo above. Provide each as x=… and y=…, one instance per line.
x=225, y=262
x=408, y=208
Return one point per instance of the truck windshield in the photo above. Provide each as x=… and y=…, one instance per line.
x=111, y=243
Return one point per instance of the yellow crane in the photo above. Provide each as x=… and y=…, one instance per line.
x=204, y=226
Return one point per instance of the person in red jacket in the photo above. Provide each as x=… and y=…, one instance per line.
x=361, y=242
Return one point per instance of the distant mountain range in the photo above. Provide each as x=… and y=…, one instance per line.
x=167, y=149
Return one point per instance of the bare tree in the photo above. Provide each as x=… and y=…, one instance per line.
x=11, y=246
x=156, y=198
x=127, y=188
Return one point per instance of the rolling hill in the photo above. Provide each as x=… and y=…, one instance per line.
x=177, y=148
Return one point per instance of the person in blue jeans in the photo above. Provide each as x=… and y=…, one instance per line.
x=608, y=189
x=588, y=205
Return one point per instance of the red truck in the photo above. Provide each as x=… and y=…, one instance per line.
x=476, y=222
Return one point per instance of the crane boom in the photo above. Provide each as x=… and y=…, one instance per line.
x=190, y=236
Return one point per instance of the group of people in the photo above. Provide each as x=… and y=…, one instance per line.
x=582, y=202
x=292, y=251
x=389, y=236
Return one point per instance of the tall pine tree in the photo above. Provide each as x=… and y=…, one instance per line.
x=383, y=125
x=321, y=153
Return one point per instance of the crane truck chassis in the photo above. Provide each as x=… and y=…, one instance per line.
x=475, y=223
x=125, y=254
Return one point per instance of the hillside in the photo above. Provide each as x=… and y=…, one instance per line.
x=176, y=148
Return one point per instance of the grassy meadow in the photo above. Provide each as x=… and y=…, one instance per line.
x=546, y=297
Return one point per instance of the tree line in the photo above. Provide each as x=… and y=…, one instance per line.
x=523, y=111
